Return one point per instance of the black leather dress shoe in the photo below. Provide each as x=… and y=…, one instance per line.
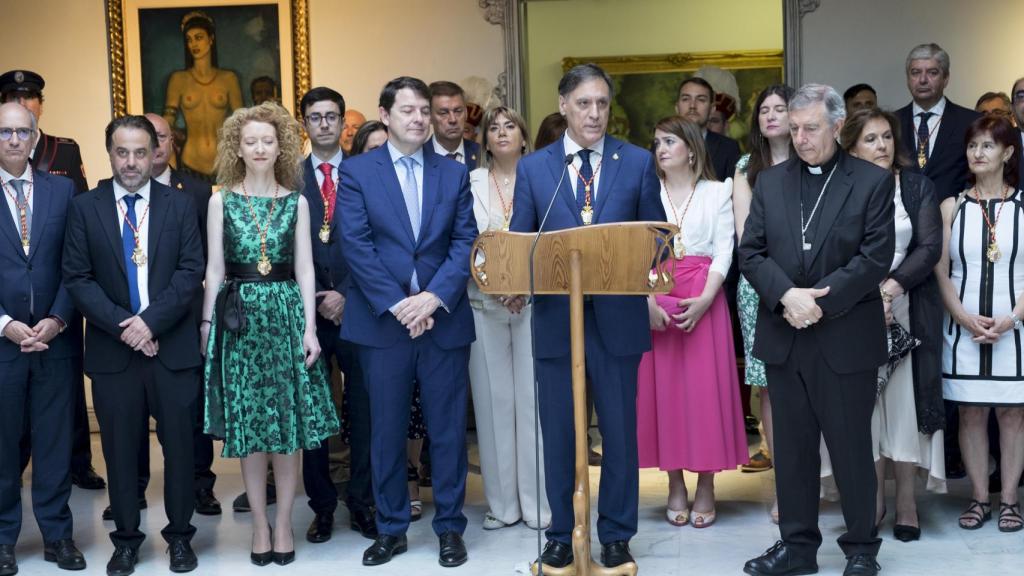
x=556, y=554
x=780, y=561
x=383, y=548
x=206, y=503
x=615, y=554
x=183, y=559
x=108, y=514
x=87, y=479
x=8, y=563
x=320, y=528
x=905, y=533
x=453, y=550
x=364, y=522
x=65, y=554
x=861, y=565
x=122, y=562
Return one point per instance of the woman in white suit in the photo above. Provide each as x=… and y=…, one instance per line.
x=501, y=359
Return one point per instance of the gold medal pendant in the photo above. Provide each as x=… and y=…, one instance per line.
x=922, y=159
x=677, y=246
x=138, y=256
x=263, y=265
x=588, y=215
x=25, y=246
x=993, y=253
x=325, y=233
x=505, y=225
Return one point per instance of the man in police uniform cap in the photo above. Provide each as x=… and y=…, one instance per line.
x=52, y=154
x=62, y=157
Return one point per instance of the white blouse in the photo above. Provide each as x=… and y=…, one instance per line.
x=904, y=230
x=487, y=205
x=709, y=228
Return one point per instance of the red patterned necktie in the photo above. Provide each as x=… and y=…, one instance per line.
x=327, y=190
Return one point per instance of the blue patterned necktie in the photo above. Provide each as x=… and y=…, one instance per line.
x=586, y=173
x=128, y=245
x=412, y=203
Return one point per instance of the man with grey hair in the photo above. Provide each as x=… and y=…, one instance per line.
x=818, y=241
x=933, y=127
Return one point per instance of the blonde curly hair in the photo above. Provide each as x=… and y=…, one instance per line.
x=230, y=167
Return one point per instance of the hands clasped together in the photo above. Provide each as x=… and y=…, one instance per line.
x=801, y=309
x=32, y=338
x=691, y=311
x=416, y=313
x=138, y=336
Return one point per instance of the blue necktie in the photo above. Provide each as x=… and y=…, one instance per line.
x=128, y=245
x=923, y=135
x=586, y=172
x=412, y=203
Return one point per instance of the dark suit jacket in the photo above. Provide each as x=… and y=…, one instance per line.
x=381, y=251
x=628, y=191
x=94, y=275
x=328, y=259
x=33, y=283
x=472, y=152
x=60, y=156
x=947, y=164
x=724, y=153
x=852, y=258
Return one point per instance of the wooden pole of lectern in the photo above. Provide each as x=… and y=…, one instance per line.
x=602, y=259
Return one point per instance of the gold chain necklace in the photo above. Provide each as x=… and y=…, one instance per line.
x=263, y=266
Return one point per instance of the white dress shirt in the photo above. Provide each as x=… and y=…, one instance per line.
x=143, y=227
x=164, y=177
x=933, y=122
x=709, y=227
x=904, y=229
x=596, y=154
x=460, y=152
x=6, y=178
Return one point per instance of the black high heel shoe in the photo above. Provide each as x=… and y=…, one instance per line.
x=283, y=558
x=264, y=558
x=905, y=533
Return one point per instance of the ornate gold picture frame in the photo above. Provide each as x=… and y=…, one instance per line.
x=194, y=61
x=645, y=86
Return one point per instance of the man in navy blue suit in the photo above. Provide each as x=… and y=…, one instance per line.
x=934, y=127
x=323, y=112
x=35, y=352
x=608, y=181
x=448, y=114
x=407, y=226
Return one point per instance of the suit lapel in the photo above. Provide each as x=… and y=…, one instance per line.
x=10, y=229
x=40, y=212
x=610, y=165
x=110, y=220
x=312, y=193
x=158, y=203
x=942, y=133
x=791, y=201
x=835, y=197
x=482, y=197
x=431, y=190
x=393, y=191
x=556, y=163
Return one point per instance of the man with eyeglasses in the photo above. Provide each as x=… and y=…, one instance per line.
x=323, y=113
x=35, y=351
x=448, y=115
x=60, y=156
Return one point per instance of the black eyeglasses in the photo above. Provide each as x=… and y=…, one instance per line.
x=316, y=117
x=23, y=133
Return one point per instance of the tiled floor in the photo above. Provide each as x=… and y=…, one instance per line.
x=743, y=530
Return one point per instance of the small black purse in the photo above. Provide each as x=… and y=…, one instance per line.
x=900, y=343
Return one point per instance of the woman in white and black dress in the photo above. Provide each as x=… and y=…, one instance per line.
x=981, y=278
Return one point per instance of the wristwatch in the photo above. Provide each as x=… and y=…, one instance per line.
x=1016, y=320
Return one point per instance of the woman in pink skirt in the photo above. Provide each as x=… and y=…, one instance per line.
x=688, y=403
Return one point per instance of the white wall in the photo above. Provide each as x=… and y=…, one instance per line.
x=355, y=47
x=846, y=42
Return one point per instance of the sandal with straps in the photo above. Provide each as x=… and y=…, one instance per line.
x=1010, y=519
x=976, y=515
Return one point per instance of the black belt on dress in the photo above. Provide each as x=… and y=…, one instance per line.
x=230, y=314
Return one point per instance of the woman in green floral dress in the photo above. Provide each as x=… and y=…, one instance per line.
x=770, y=144
x=267, y=393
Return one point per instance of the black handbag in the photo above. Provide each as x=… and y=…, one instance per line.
x=900, y=343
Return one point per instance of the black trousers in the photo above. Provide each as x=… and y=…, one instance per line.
x=37, y=389
x=810, y=400
x=122, y=400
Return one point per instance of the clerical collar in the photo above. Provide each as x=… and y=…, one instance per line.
x=825, y=167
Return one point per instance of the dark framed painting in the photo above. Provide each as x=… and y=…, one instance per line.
x=194, y=61
x=646, y=85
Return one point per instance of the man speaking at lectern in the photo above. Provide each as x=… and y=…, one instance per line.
x=607, y=181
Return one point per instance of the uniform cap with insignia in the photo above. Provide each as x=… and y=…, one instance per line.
x=21, y=81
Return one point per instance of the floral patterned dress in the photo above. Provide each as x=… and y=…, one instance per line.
x=260, y=397
x=747, y=302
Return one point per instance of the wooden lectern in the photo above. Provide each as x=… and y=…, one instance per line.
x=602, y=259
